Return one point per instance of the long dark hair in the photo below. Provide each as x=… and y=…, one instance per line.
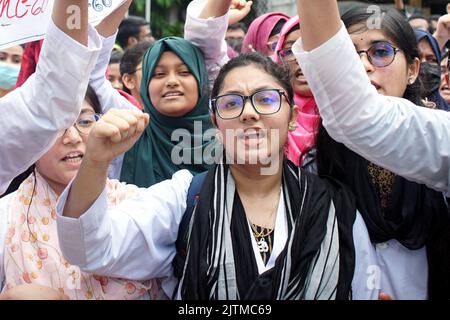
x=398, y=30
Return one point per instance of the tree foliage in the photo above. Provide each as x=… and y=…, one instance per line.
x=167, y=16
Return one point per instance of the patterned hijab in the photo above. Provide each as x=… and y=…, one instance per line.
x=150, y=161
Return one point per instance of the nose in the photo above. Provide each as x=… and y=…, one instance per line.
x=71, y=136
x=172, y=80
x=368, y=66
x=249, y=112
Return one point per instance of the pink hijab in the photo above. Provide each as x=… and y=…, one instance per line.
x=304, y=137
x=259, y=32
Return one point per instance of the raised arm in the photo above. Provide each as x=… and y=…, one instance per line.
x=409, y=140
x=64, y=10
x=107, y=95
x=319, y=21
x=50, y=100
x=206, y=25
x=134, y=239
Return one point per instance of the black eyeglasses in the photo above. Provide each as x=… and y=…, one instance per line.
x=265, y=102
x=380, y=54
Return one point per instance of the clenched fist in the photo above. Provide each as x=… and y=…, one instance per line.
x=115, y=133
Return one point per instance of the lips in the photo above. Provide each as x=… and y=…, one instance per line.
x=376, y=85
x=73, y=157
x=171, y=94
x=300, y=77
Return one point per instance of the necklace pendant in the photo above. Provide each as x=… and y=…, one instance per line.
x=262, y=245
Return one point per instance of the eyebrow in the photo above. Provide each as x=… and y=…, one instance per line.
x=86, y=110
x=237, y=91
x=182, y=64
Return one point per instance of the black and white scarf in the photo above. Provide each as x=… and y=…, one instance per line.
x=317, y=261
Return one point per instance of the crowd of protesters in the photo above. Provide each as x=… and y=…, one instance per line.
x=303, y=157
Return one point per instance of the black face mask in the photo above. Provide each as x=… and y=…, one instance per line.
x=235, y=44
x=430, y=74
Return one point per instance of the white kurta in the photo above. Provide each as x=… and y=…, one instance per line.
x=136, y=239
x=49, y=101
x=409, y=140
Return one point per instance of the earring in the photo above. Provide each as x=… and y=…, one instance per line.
x=292, y=127
x=410, y=81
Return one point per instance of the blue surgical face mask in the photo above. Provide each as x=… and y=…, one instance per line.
x=8, y=75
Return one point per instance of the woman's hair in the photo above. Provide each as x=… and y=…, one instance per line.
x=133, y=56
x=277, y=28
x=397, y=29
x=279, y=73
x=92, y=98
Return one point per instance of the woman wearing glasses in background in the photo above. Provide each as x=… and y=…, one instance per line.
x=406, y=220
x=29, y=248
x=261, y=228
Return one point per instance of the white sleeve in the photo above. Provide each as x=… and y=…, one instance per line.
x=49, y=101
x=366, y=279
x=409, y=140
x=209, y=36
x=133, y=240
x=107, y=95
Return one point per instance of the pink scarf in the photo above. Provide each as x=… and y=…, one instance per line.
x=303, y=138
x=32, y=253
x=259, y=31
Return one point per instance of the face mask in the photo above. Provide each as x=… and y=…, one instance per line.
x=430, y=74
x=236, y=44
x=8, y=75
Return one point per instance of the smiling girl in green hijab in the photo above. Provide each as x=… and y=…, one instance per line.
x=175, y=93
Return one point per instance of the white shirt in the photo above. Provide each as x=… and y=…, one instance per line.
x=136, y=239
x=411, y=141
x=49, y=101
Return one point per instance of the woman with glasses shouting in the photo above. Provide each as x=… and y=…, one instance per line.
x=260, y=227
x=407, y=222
x=29, y=251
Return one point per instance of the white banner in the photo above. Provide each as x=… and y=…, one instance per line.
x=23, y=21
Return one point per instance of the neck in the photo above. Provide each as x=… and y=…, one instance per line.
x=57, y=188
x=246, y=177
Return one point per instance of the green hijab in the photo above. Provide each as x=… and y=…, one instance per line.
x=149, y=161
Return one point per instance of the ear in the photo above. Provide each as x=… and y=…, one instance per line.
x=131, y=41
x=293, y=118
x=129, y=81
x=413, y=71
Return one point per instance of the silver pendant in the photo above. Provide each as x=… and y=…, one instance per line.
x=262, y=245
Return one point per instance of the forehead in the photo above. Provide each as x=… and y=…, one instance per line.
x=425, y=45
x=169, y=58
x=145, y=29
x=86, y=107
x=364, y=37
x=293, y=36
x=247, y=79
x=16, y=50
